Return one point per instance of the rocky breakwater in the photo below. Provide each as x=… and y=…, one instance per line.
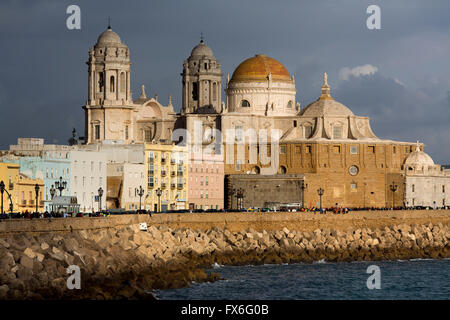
x=126, y=262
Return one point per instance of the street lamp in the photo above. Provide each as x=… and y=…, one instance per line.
x=100, y=194
x=159, y=193
x=60, y=185
x=36, y=189
x=303, y=187
x=393, y=188
x=140, y=193
x=2, y=189
x=320, y=192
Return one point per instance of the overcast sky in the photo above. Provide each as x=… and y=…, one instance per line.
x=398, y=76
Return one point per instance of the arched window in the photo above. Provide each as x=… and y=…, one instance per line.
x=256, y=170
x=111, y=84
x=100, y=81
x=122, y=82
x=214, y=93
x=289, y=105
x=245, y=103
x=283, y=170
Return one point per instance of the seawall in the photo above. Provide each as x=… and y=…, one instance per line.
x=119, y=261
x=234, y=221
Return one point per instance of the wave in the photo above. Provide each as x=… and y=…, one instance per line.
x=216, y=265
x=321, y=261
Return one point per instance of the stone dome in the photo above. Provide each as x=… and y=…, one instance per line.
x=201, y=50
x=109, y=38
x=418, y=158
x=326, y=105
x=258, y=68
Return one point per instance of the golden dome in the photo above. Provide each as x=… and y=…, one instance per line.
x=258, y=68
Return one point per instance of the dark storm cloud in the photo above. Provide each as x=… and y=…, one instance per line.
x=43, y=79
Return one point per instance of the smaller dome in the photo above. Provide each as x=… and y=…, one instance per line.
x=109, y=38
x=201, y=50
x=418, y=158
x=326, y=107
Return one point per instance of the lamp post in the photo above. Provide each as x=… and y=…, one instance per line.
x=60, y=185
x=100, y=194
x=393, y=188
x=2, y=189
x=36, y=189
x=159, y=193
x=320, y=192
x=140, y=193
x=303, y=187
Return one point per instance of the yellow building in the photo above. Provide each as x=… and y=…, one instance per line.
x=21, y=189
x=166, y=173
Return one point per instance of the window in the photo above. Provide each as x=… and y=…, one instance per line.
x=337, y=132
x=147, y=135
x=206, y=180
x=371, y=149
x=122, y=82
x=195, y=91
x=394, y=149
x=353, y=149
x=289, y=104
x=295, y=123
x=308, y=149
x=238, y=133
x=111, y=84
x=443, y=188
x=282, y=149
x=406, y=149
x=245, y=103
x=298, y=149
x=214, y=93
x=126, y=132
x=353, y=186
x=206, y=194
x=201, y=194
x=336, y=149
x=97, y=131
x=308, y=131
x=412, y=188
x=100, y=81
x=238, y=165
x=283, y=170
x=201, y=180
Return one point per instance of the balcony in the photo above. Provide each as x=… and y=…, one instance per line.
x=180, y=186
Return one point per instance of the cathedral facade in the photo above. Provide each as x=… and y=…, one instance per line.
x=258, y=127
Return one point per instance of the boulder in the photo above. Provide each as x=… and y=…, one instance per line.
x=4, y=243
x=3, y=291
x=27, y=262
x=29, y=253
x=44, y=246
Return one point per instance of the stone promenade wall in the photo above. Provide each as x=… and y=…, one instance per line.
x=238, y=221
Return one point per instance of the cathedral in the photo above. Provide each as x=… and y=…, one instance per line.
x=322, y=146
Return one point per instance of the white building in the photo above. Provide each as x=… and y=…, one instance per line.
x=426, y=184
x=87, y=176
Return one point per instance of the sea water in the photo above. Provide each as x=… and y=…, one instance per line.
x=409, y=279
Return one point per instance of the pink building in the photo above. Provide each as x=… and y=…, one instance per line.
x=206, y=181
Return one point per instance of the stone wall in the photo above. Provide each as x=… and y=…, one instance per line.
x=235, y=221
